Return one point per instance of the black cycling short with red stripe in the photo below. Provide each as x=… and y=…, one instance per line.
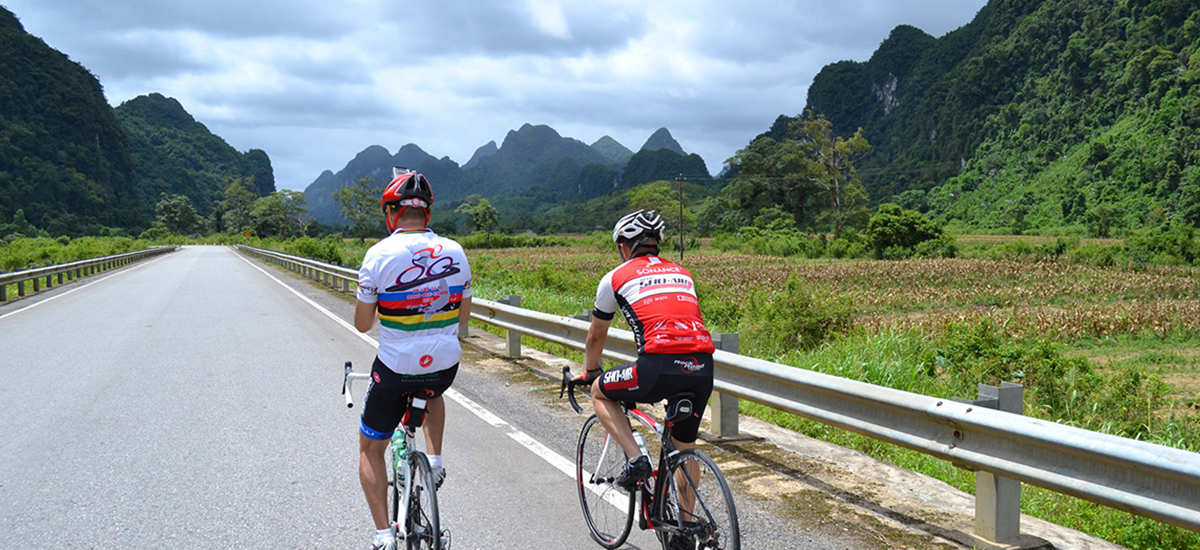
x=654, y=377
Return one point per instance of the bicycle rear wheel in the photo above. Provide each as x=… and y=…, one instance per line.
x=607, y=508
x=424, y=528
x=698, y=510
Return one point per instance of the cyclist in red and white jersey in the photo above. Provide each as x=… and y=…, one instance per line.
x=658, y=300
x=419, y=287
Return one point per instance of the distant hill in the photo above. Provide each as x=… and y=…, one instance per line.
x=662, y=139
x=65, y=160
x=533, y=170
x=1036, y=114
x=173, y=153
x=612, y=150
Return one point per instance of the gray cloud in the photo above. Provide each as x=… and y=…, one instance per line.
x=313, y=82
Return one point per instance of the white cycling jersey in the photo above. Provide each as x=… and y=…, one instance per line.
x=419, y=280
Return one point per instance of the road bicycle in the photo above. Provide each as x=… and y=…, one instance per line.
x=414, y=509
x=686, y=500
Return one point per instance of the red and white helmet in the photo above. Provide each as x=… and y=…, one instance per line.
x=407, y=189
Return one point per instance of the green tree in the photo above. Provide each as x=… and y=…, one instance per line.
x=360, y=205
x=811, y=174
x=484, y=216
x=239, y=200
x=177, y=215
x=834, y=172
x=281, y=214
x=892, y=226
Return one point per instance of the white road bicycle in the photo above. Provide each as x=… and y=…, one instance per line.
x=414, y=506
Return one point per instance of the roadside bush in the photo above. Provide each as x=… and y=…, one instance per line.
x=327, y=250
x=1172, y=243
x=900, y=230
x=793, y=319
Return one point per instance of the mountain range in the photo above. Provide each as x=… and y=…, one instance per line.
x=532, y=171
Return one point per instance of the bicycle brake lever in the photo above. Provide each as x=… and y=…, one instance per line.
x=568, y=387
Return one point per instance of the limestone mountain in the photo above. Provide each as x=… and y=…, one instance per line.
x=174, y=153
x=64, y=159
x=612, y=149
x=662, y=139
x=534, y=169
x=1037, y=113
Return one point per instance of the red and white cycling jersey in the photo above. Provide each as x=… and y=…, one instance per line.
x=658, y=299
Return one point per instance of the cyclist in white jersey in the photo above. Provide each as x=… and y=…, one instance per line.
x=418, y=285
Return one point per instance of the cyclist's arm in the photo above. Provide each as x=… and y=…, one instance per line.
x=594, y=345
x=464, y=310
x=364, y=315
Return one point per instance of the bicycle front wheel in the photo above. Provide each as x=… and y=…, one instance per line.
x=698, y=510
x=424, y=528
x=607, y=508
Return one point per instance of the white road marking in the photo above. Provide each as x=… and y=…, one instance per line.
x=100, y=277
x=560, y=462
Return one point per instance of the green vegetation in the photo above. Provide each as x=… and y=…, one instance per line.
x=940, y=327
x=1054, y=117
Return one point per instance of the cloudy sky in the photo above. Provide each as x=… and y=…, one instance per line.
x=313, y=82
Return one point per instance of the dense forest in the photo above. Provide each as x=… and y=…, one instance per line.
x=1039, y=116
x=64, y=159
x=72, y=165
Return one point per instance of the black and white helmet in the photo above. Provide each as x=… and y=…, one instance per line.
x=638, y=226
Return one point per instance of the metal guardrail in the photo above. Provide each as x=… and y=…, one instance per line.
x=1143, y=478
x=73, y=270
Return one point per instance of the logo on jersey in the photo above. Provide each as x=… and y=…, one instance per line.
x=621, y=379
x=428, y=265
x=426, y=360
x=689, y=364
x=375, y=375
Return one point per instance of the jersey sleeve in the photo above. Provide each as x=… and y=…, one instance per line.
x=606, y=299
x=368, y=288
x=466, y=272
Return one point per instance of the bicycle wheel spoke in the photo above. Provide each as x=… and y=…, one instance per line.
x=701, y=510
x=424, y=528
x=607, y=509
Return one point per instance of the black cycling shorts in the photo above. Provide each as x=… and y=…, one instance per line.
x=654, y=377
x=387, y=397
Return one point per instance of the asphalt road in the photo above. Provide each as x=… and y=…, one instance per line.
x=192, y=400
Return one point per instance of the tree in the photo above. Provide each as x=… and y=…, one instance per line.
x=360, y=205
x=834, y=172
x=810, y=174
x=177, y=215
x=484, y=216
x=892, y=226
x=239, y=200
x=281, y=214
x=663, y=197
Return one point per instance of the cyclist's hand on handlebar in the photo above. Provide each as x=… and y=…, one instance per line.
x=589, y=376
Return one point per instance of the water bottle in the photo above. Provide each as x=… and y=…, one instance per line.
x=399, y=455
x=641, y=442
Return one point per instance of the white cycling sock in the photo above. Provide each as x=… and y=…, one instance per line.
x=383, y=535
x=435, y=461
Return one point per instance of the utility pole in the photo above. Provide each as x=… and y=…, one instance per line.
x=680, y=180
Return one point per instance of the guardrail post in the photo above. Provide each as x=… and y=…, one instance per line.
x=514, y=337
x=3, y=293
x=724, y=416
x=998, y=499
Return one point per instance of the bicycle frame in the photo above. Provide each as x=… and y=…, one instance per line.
x=401, y=461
